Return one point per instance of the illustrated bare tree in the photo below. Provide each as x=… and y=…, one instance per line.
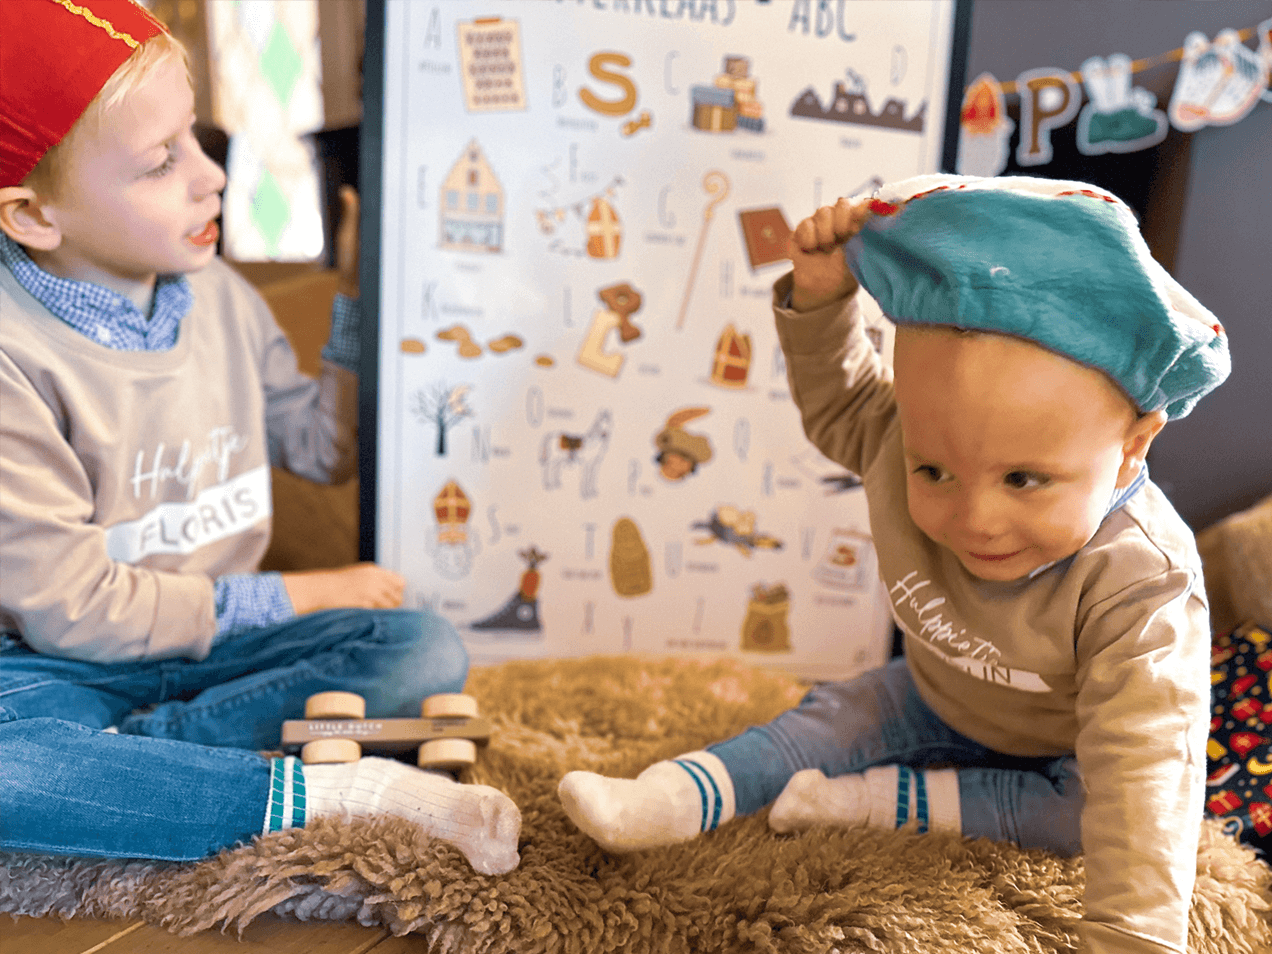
x=443, y=406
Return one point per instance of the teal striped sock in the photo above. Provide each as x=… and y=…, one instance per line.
x=708, y=789
x=908, y=805
x=928, y=798
x=669, y=802
x=886, y=796
x=286, y=805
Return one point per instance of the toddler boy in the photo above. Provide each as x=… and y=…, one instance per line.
x=145, y=390
x=1054, y=691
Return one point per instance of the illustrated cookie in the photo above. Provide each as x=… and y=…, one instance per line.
x=621, y=298
x=506, y=343
x=467, y=347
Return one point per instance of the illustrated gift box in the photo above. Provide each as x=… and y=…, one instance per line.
x=714, y=109
x=737, y=79
x=751, y=116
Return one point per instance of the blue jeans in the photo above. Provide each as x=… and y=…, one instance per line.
x=182, y=779
x=879, y=719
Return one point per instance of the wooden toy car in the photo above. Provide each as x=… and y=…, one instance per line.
x=336, y=729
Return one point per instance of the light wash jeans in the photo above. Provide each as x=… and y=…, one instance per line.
x=879, y=719
x=183, y=779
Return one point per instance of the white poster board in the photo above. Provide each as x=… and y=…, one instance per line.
x=584, y=439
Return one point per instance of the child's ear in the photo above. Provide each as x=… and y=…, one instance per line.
x=1139, y=437
x=23, y=219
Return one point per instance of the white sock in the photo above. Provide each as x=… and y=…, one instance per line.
x=480, y=821
x=667, y=803
x=887, y=797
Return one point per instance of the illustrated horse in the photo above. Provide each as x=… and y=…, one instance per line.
x=586, y=450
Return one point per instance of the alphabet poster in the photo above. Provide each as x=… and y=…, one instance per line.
x=585, y=442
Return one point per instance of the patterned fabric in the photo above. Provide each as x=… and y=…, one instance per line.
x=344, y=346
x=249, y=600
x=286, y=805
x=98, y=313
x=1120, y=497
x=1239, y=753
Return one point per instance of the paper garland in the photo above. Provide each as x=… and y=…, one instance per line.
x=1220, y=81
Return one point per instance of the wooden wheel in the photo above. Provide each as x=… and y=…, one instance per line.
x=335, y=705
x=448, y=754
x=321, y=751
x=449, y=704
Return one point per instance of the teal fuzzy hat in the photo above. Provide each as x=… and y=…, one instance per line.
x=1059, y=263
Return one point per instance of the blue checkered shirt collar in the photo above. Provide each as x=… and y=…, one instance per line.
x=96, y=312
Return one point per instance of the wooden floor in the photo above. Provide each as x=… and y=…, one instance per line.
x=266, y=935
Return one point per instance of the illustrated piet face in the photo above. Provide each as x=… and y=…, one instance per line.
x=674, y=466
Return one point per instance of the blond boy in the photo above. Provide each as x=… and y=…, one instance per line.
x=1054, y=690
x=145, y=390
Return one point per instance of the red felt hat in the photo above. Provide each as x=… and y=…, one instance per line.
x=55, y=56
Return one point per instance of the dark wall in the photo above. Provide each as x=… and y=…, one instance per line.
x=1206, y=201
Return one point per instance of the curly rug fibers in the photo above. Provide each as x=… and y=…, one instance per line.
x=740, y=889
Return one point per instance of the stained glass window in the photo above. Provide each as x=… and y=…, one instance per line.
x=266, y=73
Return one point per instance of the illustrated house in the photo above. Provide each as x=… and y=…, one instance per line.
x=472, y=204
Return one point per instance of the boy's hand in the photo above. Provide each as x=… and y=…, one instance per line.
x=817, y=254
x=347, y=242
x=359, y=586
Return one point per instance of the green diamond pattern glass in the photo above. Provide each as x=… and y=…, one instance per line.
x=270, y=210
x=281, y=64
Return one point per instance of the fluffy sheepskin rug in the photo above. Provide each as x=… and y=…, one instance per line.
x=739, y=889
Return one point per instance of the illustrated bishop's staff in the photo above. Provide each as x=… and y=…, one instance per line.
x=717, y=185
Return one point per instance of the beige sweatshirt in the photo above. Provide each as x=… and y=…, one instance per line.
x=1104, y=655
x=129, y=480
